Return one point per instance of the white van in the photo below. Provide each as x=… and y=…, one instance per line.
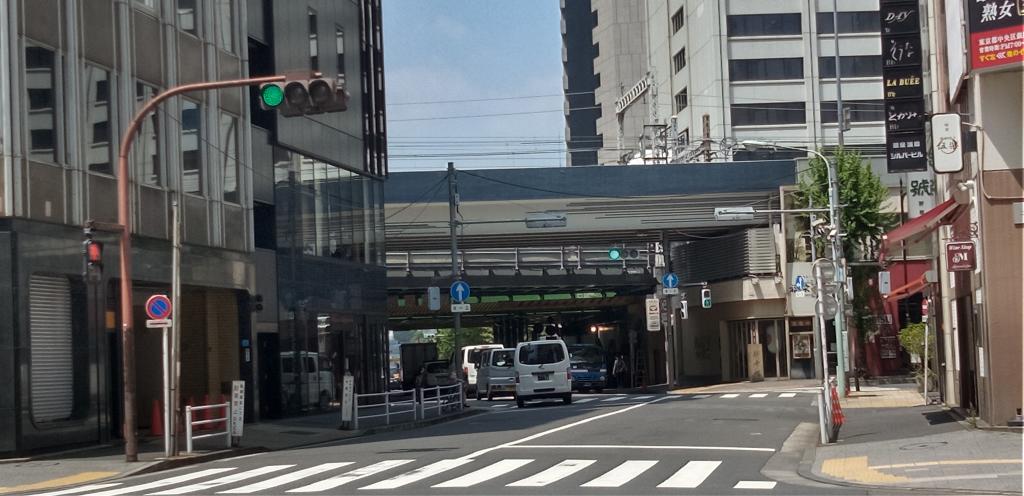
x=469, y=362
x=542, y=371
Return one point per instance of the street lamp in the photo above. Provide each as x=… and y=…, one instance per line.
x=835, y=238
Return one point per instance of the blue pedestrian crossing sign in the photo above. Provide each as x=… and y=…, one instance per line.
x=670, y=280
x=459, y=291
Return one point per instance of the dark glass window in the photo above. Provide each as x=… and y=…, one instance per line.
x=851, y=22
x=188, y=20
x=597, y=50
x=754, y=114
x=191, y=151
x=852, y=66
x=98, y=152
x=314, y=59
x=147, y=143
x=679, y=19
x=763, y=24
x=682, y=100
x=594, y=14
x=860, y=111
x=40, y=83
x=539, y=354
x=597, y=80
x=766, y=69
x=679, y=60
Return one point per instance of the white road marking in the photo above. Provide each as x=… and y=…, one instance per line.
x=658, y=447
x=359, y=473
x=285, y=479
x=485, y=474
x=170, y=481
x=759, y=395
x=584, y=400
x=418, y=474
x=499, y=406
x=730, y=395
x=692, y=475
x=701, y=396
x=228, y=479
x=622, y=474
x=754, y=485
x=553, y=430
x=644, y=397
x=83, y=489
x=615, y=398
x=787, y=395
x=556, y=473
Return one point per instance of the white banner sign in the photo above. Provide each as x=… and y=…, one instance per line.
x=348, y=388
x=653, y=314
x=237, y=407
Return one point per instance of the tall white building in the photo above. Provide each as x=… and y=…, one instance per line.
x=765, y=70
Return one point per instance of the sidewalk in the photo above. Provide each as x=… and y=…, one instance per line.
x=890, y=440
x=767, y=385
x=99, y=463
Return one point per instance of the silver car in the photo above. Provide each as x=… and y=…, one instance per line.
x=497, y=375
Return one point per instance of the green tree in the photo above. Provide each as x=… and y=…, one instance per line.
x=468, y=336
x=861, y=196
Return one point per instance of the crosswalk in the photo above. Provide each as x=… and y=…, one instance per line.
x=614, y=399
x=404, y=474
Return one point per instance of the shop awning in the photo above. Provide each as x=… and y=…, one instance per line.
x=917, y=228
x=908, y=289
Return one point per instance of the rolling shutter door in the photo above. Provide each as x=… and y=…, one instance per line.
x=50, y=374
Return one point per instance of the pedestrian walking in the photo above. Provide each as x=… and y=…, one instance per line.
x=619, y=371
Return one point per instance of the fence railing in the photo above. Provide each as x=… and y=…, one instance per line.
x=190, y=423
x=437, y=401
x=528, y=258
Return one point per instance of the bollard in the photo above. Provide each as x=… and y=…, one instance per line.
x=188, y=430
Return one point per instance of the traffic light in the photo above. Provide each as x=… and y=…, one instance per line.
x=256, y=304
x=92, y=254
x=305, y=95
x=614, y=254
x=705, y=298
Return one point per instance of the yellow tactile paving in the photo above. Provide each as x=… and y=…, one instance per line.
x=856, y=469
x=897, y=398
x=59, y=482
x=997, y=461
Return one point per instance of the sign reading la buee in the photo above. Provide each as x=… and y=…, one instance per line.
x=961, y=256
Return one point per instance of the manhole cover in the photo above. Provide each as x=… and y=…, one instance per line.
x=923, y=446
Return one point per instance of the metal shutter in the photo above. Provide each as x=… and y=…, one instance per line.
x=50, y=374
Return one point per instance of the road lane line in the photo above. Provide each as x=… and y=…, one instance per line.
x=644, y=397
x=285, y=479
x=485, y=474
x=615, y=398
x=553, y=430
x=584, y=400
x=418, y=474
x=692, y=475
x=616, y=477
x=228, y=479
x=656, y=447
x=163, y=482
x=82, y=489
x=730, y=395
x=359, y=473
x=556, y=473
x=701, y=396
x=759, y=395
x=787, y=395
x=754, y=485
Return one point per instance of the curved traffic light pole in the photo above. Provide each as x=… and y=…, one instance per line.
x=127, y=335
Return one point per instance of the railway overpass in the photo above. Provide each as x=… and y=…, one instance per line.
x=659, y=217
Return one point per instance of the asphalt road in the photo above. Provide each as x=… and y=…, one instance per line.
x=601, y=444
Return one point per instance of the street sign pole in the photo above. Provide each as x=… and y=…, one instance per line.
x=173, y=406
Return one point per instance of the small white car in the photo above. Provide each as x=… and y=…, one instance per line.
x=496, y=375
x=542, y=371
x=469, y=362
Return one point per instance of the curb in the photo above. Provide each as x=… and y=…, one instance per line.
x=806, y=470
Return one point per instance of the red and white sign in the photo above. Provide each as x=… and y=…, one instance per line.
x=961, y=256
x=158, y=307
x=996, y=31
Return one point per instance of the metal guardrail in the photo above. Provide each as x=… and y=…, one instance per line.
x=561, y=258
x=189, y=424
x=442, y=400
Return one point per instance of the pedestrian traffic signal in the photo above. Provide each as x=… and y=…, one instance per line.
x=303, y=95
x=614, y=254
x=705, y=298
x=92, y=254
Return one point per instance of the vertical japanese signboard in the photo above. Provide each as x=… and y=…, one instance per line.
x=996, y=33
x=902, y=55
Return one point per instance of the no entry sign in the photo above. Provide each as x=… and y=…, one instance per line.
x=158, y=307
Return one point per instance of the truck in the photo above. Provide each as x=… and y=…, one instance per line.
x=412, y=358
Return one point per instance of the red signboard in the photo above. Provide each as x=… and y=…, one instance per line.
x=996, y=31
x=961, y=256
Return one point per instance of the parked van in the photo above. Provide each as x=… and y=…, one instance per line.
x=542, y=371
x=469, y=363
x=307, y=381
x=497, y=374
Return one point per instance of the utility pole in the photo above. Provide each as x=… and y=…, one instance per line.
x=840, y=117
x=453, y=224
x=840, y=274
x=175, y=320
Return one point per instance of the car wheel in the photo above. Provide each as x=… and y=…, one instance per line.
x=520, y=403
x=567, y=399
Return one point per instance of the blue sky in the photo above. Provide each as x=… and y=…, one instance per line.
x=444, y=50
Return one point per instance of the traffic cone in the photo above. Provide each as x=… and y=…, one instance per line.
x=156, y=420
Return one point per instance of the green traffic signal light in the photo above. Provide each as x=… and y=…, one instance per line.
x=271, y=95
x=614, y=254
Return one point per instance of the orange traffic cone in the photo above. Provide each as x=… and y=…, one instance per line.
x=156, y=420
